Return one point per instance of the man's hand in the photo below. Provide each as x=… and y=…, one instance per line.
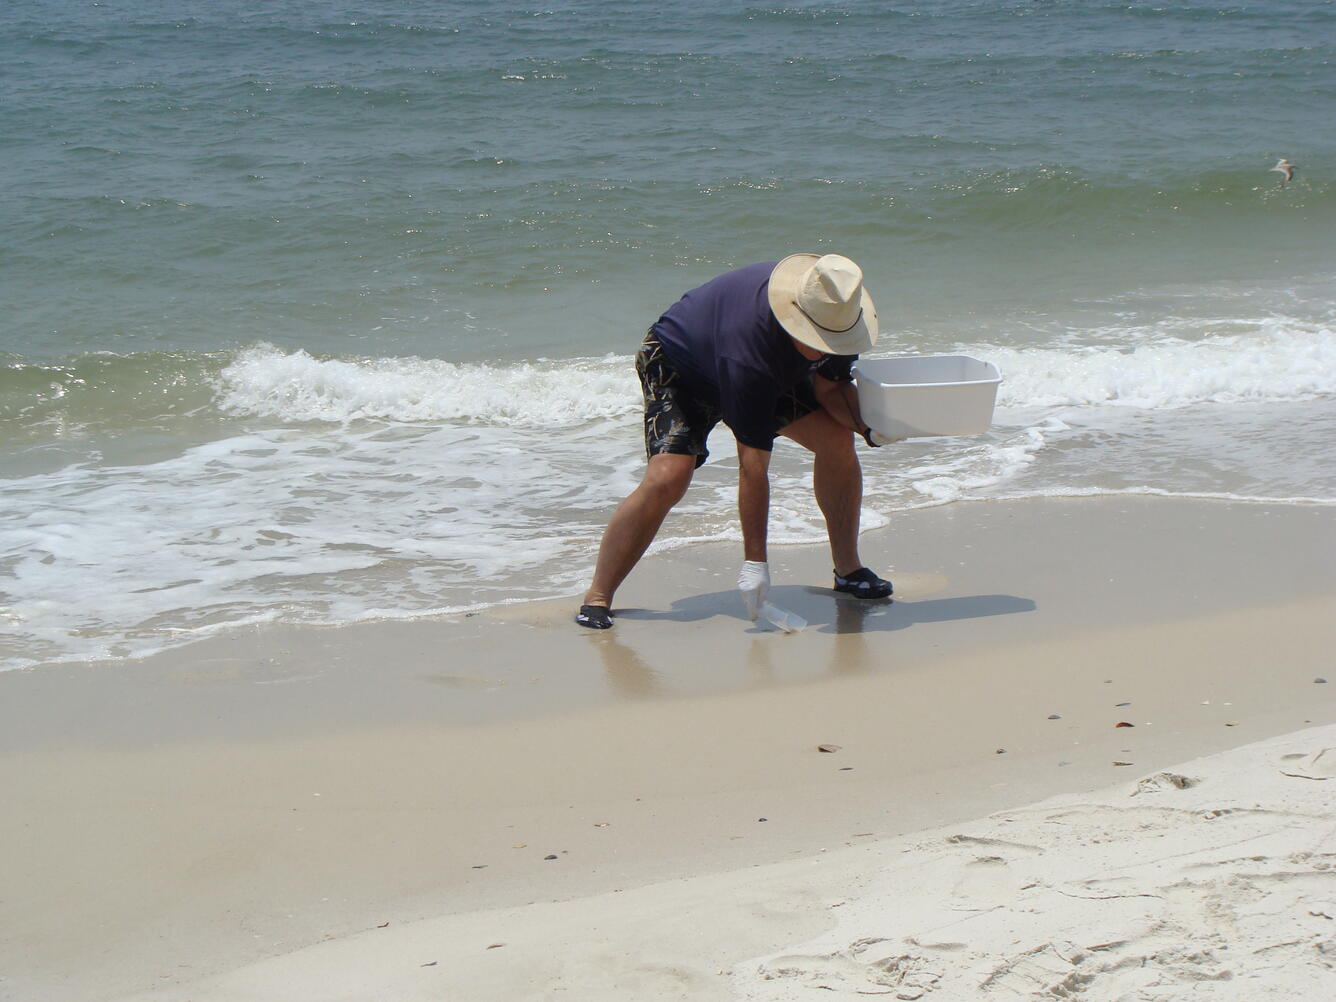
x=877, y=439
x=754, y=583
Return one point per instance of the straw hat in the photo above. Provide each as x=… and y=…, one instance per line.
x=820, y=301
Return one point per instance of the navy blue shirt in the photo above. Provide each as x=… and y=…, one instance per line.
x=730, y=351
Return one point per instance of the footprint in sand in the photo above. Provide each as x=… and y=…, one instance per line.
x=994, y=843
x=1318, y=765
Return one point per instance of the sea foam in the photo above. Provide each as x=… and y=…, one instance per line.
x=1278, y=360
x=295, y=386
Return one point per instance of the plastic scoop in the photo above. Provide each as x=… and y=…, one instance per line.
x=789, y=622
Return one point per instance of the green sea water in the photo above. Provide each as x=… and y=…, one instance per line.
x=481, y=181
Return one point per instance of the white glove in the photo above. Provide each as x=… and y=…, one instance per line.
x=875, y=438
x=754, y=583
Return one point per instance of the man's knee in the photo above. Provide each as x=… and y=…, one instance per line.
x=668, y=476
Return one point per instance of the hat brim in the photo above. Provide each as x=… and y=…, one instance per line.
x=783, y=295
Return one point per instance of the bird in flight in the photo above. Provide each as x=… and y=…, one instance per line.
x=1286, y=168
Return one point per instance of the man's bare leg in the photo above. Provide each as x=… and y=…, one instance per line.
x=837, y=481
x=636, y=521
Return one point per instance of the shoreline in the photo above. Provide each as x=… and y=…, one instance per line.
x=252, y=796
x=968, y=575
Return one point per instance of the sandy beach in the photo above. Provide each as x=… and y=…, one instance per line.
x=502, y=806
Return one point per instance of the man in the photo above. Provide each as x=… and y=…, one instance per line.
x=768, y=349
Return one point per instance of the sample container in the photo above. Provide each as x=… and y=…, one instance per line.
x=927, y=395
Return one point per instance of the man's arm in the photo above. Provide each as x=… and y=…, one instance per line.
x=753, y=500
x=840, y=401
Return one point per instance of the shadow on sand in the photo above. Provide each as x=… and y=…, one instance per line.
x=739, y=662
x=828, y=611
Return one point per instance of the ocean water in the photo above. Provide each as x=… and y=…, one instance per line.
x=321, y=312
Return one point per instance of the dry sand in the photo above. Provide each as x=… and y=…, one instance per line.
x=1216, y=880
x=1213, y=880
x=316, y=814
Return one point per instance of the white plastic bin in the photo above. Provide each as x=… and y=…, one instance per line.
x=927, y=395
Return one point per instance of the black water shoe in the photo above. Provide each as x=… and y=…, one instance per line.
x=863, y=583
x=595, y=617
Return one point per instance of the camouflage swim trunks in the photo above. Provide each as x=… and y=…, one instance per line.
x=678, y=422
